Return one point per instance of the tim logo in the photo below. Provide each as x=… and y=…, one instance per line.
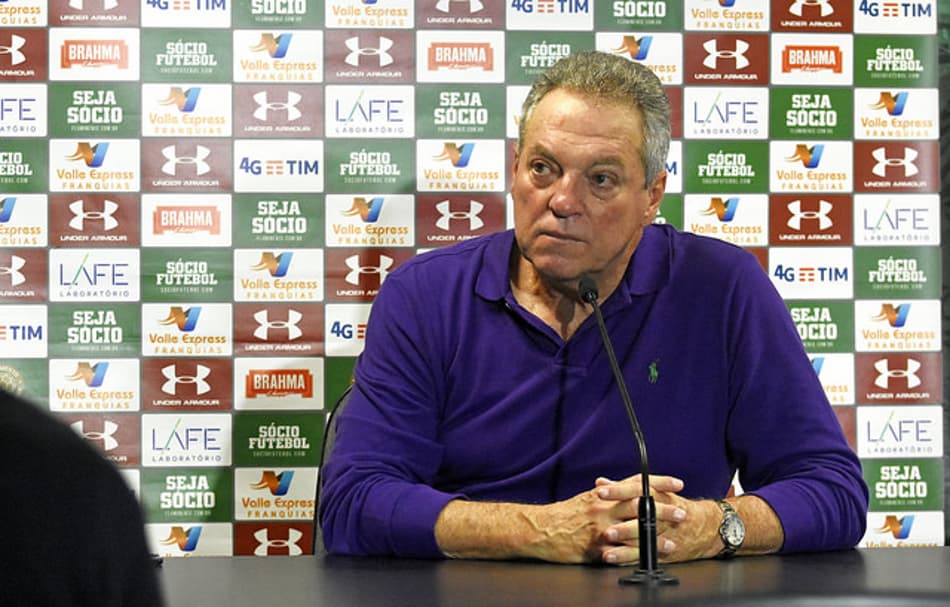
x=291, y=544
x=109, y=428
x=13, y=270
x=714, y=54
x=277, y=484
x=186, y=540
x=725, y=210
x=276, y=265
x=198, y=380
x=821, y=215
x=886, y=374
x=633, y=48
x=824, y=7
x=357, y=270
x=92, y=155
x=444, y=6
x=184, y=100
x=368, y=211
x=447, y=215
x=172, y=160
x=883, y=161
x=810, y=157
x=895, y=316
x=380, y=51
x=6, y=209
x=185, y=320
x=275, y=46
x=16, y=55
x=458, y=155
x=91, y=375
x=265, y=325
x=81, y=215
x=898, y=527
x=265, y=106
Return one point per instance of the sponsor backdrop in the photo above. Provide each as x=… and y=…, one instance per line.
x=199, y=200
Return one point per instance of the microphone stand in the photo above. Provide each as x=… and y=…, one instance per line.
x=649, y=571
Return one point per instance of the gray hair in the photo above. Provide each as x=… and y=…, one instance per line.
x=615, y=79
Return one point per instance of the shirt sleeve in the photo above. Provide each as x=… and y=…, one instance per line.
x=377, y=495
x=783, y=433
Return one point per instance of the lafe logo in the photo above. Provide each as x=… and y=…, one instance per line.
x=883, y=162
x=898, y=527
x=277, y=484
x=810, y=157
x=91, y=375
x=714, y=54
x=184, y=100
x=170, y=373
x=896, y=316
x=13, y=49
x=894, y=104
x=275, y=46
x=823, y=6
x=458, y=155
x=290, y=544
x=81, y=215
x=821, y=215
x=367, y=211
x=109, y=428
x=265, y=325
x=172, y=159
x=380, y=51
x=265, y=106
x=446, y=215
x=635, y=49
x=13, y=270
x=276, y=265
x=92, y=155
x=886, y=374
x=186, y=540
x=725, y=210
x=185, y=320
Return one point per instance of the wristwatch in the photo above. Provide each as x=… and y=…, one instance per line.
x=731, y=530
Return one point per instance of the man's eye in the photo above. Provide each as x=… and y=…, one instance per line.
x=540, y=168
x=602, y=180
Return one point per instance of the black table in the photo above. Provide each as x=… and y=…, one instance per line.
x=918, y=577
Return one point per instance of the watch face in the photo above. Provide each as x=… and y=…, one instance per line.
x=733, y=531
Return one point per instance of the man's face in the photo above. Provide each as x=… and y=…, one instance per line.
x=578, y=187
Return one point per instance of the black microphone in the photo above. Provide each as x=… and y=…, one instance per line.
x=649, y=571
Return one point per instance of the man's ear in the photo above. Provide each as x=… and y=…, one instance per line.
x=655, y=191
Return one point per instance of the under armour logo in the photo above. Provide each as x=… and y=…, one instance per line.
x=824, y=209
x=797, y=7
x=198, y=379
x=81, y=215
x=356, y=51
x=265, y=544
x=447, y=215
x=16, y=43
x=173, y=160
x=885, y=373
x=107, y=5
x=473, y=5
x=883, y=161
x=264, y=106
x=353, y=262
x=264, y=324
x=109, y=428
x=13, y=270
x=714, y=54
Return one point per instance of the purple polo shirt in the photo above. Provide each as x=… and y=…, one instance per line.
x=461, y=393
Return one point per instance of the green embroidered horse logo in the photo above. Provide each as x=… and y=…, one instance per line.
x=654, y=373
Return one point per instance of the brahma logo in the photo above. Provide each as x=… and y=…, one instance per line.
x=276, y=484
x=460, y=56
x=826, y=59
x=278, y=383
x=466, y=56
x=812, y=59
x=186, y=219
x=94, y=53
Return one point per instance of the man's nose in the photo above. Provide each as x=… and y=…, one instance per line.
x=566, y=196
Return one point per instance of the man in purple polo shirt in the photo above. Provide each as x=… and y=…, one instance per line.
x=485, y=421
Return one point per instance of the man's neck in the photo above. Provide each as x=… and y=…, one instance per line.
x=555, y=304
